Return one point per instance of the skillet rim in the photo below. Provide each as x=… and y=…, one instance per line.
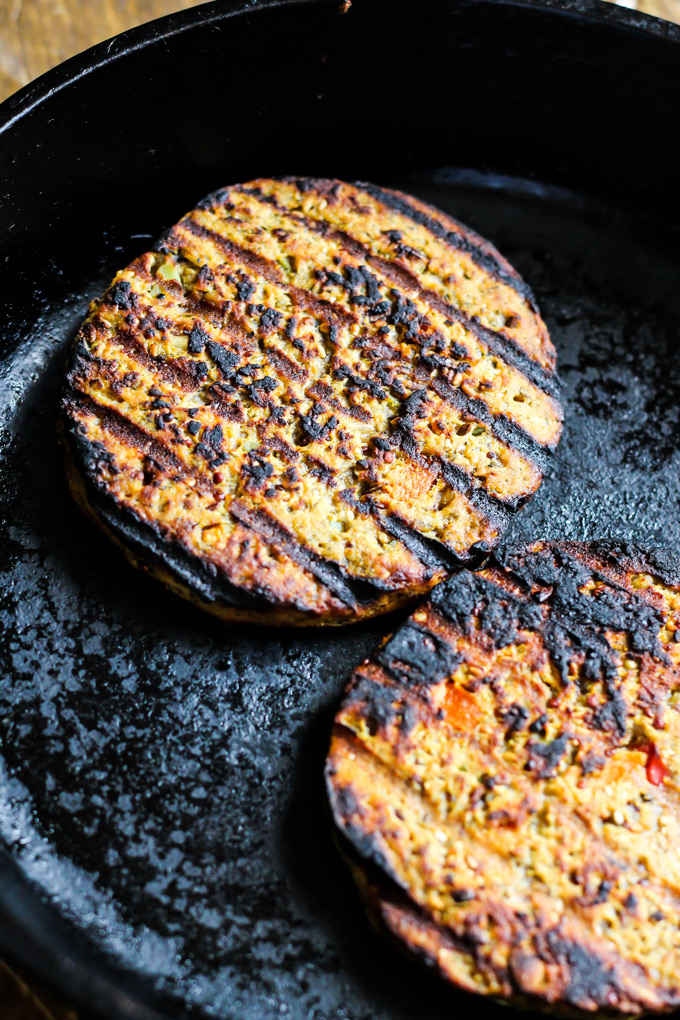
x=21, y=103
x=33, y=935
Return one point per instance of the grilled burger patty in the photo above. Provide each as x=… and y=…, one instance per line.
x=310, y=401
x=504, y=773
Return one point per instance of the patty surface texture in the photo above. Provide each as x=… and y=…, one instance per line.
x=504, y=776
x=310, y=401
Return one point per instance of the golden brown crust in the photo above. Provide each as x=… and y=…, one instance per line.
x=310, y=402
x=506, y=772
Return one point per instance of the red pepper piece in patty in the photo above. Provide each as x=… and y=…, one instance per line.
x=656, y=770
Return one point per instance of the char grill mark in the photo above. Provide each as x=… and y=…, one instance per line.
x=492, y=508
x=146, y=540
x=350, y=590
x=504, y=428
x=133, y=436
x=587, y=611
x=268, y=270
x=429, y=551
x=122, y=519
x=461, y=240
x=259, y=358
x=503, y=346
x=260, y=266
x=497, y=342
x=496, y=511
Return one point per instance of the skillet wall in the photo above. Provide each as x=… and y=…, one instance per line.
x=535, y=91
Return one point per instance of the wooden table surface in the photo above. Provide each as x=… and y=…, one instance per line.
x=34, y=36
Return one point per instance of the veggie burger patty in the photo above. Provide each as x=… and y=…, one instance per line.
x=310, y=401
x=504, y=774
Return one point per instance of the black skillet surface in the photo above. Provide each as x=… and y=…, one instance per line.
x=161, y=805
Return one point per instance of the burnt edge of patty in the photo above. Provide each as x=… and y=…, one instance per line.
x=141, y=538
x=591, y=982
x=147, y=545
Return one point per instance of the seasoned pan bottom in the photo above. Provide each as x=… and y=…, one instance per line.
x=162, y=784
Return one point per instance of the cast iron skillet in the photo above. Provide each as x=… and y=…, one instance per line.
x=166, y=844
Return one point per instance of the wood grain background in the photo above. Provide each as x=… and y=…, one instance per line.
x=37, y=34
x=34, y=36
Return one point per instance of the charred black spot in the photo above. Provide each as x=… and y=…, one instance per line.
x=225, y=360
x=415, y=655
x=381, y=444
x=602, y=894
x=214, y=437
x=259, y=388
x=592, y=762
x=197, y=340
x=590, y=980
x=120, y=294
x=277, y=415
x=290, y=327
x=256, y=469
x=409, y=718
x=544, y=758
x=322, y=471
x=462, y=895
x=270, y=320
x=611, y=716
x=539, y=725
x=313, y=428
x=245, y=289
x=515, y=718
x=357, y=382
